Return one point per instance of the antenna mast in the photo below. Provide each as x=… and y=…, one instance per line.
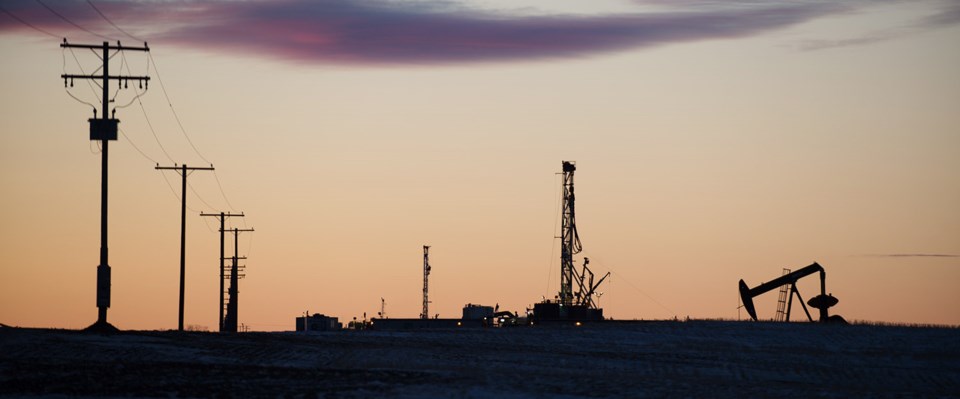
x=426, y=276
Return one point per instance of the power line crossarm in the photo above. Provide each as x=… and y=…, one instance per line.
x=101, y=77
x=108, y=46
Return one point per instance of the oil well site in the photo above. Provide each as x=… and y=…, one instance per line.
x=498, y=198
x=562, y=347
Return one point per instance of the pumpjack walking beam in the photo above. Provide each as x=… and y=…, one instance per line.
x=821, y=302
x=104, y=130
x=184, y=170
x=222, y=216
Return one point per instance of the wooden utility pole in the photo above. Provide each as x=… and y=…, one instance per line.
x=104, y=130
x=233, y=306
x=184, y=170
x=222, y=216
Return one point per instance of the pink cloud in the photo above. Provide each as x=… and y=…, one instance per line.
x=376, y=32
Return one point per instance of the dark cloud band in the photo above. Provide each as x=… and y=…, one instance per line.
x=377, y=32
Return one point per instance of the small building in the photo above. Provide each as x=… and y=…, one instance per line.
x=318, y=322
x=477, y=312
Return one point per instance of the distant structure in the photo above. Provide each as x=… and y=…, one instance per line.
x=318, y=322
x=222, y=217
x=477, y=312
x=233, y=303
x=821, y=302
x=474, y=316
x=573, y=305
x=426, y=276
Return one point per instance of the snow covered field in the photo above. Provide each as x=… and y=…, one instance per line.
x=654, y=359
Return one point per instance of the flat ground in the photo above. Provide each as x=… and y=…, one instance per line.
x=654, y=359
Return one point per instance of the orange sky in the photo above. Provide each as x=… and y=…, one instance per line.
x=700, y=162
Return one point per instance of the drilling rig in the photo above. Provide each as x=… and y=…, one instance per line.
x=571, y=305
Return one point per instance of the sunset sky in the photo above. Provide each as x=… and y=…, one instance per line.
x=714, y=141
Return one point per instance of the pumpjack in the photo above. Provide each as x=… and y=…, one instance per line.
x=821, y=302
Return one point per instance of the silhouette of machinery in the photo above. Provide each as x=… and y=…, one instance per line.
x=821, y=302
x=571, y=305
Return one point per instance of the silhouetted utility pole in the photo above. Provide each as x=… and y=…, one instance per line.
x=223, y=217
x=230, y=322
x=184, y=170
x=103, y=130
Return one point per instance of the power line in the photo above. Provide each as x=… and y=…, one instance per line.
x=123, y=63
x=71, y=22
x=63, y=56
x=622, y=277
x=249, y=241
x=211, y=207
x=645, y=294
x=29, y=24
x=137, y=97
x=553, y=245
x=152, y=161
x=206, y=223
x=175, y=195
x=113, y=24
x=79, y=100
x=225, y=196
x=150, y=125
x=175, y=116
x=80, y=66
x=166, y=95
x=185, y=135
